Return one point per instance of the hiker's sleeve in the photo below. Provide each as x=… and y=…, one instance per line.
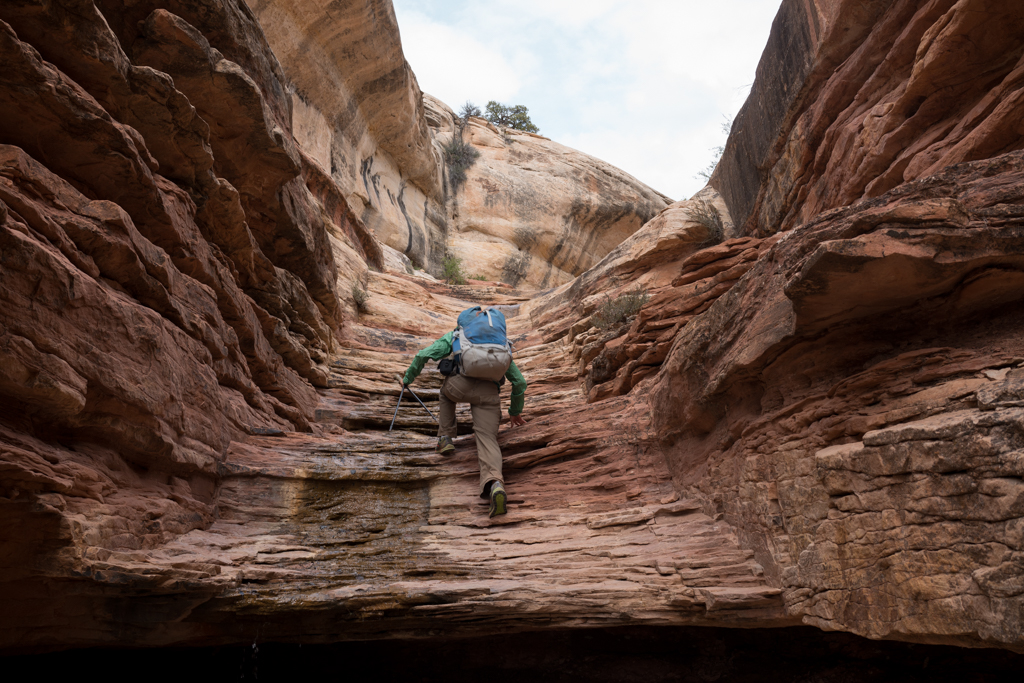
x=518, y=389
x=436, y=351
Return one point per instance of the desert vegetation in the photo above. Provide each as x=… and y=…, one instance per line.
x=620, y=309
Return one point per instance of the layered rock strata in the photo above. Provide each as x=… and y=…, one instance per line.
x=362, y=533
x=822, y=426
x=168, y=279
x=853, y=406
x=854, y=98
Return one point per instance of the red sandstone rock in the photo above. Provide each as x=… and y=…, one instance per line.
x=854, y=98
x=829, y=407
x=820, y=427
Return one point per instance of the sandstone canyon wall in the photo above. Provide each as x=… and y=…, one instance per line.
x=852, y=405
x=817, y=420
x=535, y=213
x=853, y=99
x=357, y=109
x=532, y=212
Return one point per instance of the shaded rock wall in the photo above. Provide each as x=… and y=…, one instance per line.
x=168, y=280
x=840, y=405
x=852, y=405
x=854, y=98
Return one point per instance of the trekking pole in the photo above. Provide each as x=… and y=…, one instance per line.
x=399, y=378
x=396, y=408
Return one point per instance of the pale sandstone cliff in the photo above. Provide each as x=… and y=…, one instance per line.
x=358, y=112
x=535, y=213
x=532, y=212
x=820, y=427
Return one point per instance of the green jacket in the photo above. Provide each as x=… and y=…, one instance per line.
x=443, y=347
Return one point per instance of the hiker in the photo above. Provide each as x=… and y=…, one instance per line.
x=476, y=359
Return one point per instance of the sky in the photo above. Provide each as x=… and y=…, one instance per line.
x=644, y=85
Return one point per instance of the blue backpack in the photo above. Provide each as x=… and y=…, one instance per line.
x=480, y=344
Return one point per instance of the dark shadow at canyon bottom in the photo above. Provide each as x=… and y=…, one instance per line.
x=647, y=654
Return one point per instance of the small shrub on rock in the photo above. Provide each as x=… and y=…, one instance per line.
x=621, y=308
x=451, y=270
x=469, y=109
x=706, y=213
x=360, y=296
x=459, y=156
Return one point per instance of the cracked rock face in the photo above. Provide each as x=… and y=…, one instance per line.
x=202, y=320
x=854, y=98
x=868, y=443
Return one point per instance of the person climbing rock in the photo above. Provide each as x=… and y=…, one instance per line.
x=476, y=358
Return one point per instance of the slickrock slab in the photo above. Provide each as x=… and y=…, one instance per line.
x=536, y=214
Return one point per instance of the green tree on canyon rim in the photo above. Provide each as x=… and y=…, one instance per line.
x=517, y=116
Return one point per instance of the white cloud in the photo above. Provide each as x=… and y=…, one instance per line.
x=449, y=62
x=643, y=85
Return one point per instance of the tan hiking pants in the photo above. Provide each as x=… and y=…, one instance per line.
x=485, y=405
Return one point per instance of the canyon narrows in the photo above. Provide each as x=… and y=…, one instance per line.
x=224, y=226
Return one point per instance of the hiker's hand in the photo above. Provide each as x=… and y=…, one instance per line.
x=516, y=421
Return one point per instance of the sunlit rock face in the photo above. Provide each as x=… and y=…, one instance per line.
x=358, y=112
x=534, y=213
x=208, y=290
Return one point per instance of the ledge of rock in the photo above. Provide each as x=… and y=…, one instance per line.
x=208, y=287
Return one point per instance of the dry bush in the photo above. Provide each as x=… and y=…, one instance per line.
x=451, y=270
x=469, y=109
x=621, y=308
x=360, y=296
x=459, y=156
x=706, y=213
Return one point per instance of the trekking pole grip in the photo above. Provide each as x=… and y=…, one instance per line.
x=401, y=380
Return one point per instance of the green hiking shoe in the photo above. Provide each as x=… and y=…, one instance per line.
x=499, y=500
x=445, y=445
